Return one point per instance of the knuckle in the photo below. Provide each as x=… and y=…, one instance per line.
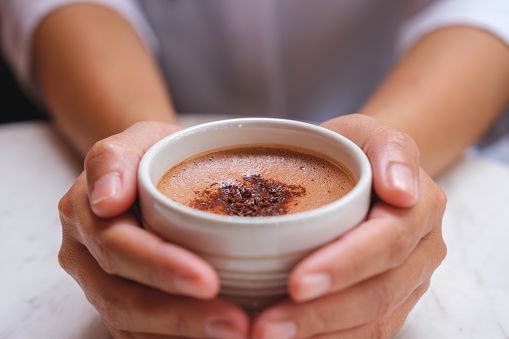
x=318, y=319
x=64, y=206
x=402, y=141
x=403, y=241
x=380, y=330
x=399, y=138
x=179, y=324
x=442, y=250
x=101, y=249
x=64, y=259
x=425, y=286
x=385, y=300
x=67, y=207
x=437, y=197
x=107, y=306
x=382, y=307
x=67, y=214
x=441, y=200
x=104, y=148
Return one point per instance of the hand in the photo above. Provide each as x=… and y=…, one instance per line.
x=364, y=284
x=143, y=286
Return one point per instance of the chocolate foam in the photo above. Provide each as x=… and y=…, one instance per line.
x=256, y=181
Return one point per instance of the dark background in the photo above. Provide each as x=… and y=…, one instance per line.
x=15, y=105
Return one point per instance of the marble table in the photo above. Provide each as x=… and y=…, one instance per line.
x=468, y=296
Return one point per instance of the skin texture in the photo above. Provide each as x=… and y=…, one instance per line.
x=445, y=93
x=96, y=77
x=107, y=98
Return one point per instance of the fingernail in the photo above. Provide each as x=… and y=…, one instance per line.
x=279, y=330
x=105, y=187
x=402, y=178
x=313, y=286
x=222, y=329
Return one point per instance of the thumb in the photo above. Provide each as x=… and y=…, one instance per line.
x=394, y=157
x=111, y=166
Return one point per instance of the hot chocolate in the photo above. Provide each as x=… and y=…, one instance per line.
x=258, y=180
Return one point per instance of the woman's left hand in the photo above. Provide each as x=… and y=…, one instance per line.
x=365, y=283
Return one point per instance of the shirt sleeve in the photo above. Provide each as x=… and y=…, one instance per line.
x=489, y=15
x=20, y=18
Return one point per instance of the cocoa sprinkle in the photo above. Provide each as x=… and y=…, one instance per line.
x=253, y=197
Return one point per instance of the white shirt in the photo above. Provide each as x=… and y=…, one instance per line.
x=299, y=59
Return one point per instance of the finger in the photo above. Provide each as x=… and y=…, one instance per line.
x=369, y=301
x=123, y=248
x=112, y=163
x=385, y=328
x=382, y=242
x=130, y=308
x=132, y=335
x=377, y=245
x=394, y=157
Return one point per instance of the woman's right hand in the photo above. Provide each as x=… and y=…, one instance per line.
x=143, y=286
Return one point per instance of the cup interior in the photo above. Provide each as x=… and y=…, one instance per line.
x=250, y=131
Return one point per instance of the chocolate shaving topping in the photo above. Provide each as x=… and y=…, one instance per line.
x=253, y=197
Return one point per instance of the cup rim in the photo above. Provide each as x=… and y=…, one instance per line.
x=364, y=182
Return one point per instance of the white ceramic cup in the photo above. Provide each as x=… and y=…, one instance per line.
x=252, y=255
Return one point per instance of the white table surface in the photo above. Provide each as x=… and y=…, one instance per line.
x=468, y=296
